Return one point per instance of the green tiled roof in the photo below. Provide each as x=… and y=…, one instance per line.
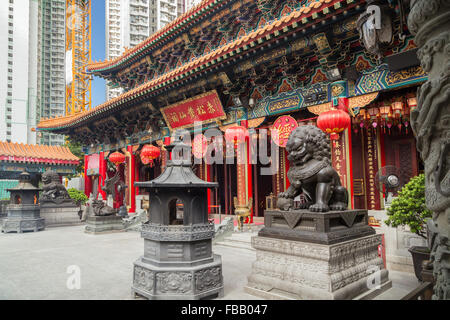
x=7, y=184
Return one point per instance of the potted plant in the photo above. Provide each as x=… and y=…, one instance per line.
x=409, y=209
x=79, y=197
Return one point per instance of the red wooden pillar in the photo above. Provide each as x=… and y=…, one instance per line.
x=136, y=176
x=342, y=155
x=167, y=141
x=286, y=169
x=102, y=174
x=249, y=177
x=208, y=178
x=245, y=171
x=87, y=179
x=227, y=201
x=131, y=179
x=118, y=199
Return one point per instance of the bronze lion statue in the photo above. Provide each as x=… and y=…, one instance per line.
x=52, y=189
x=311, y=173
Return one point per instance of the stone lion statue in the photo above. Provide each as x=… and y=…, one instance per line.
x=100, y=208
x=52, y=189
x=311, y=173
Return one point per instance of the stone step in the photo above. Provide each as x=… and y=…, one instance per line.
x=241, y=236
x=240, y=240
x=249, y=228
x=236, y=244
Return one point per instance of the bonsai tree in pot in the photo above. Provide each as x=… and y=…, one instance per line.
x=79, y=197
x=409, y=209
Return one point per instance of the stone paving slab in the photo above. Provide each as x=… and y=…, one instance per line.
x=34, y=266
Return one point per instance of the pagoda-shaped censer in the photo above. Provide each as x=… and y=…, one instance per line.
x=178, y=262
x=23, y=209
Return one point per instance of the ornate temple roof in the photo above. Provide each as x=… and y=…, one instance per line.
x=176, y=25
x=26, y=153
x=276, y=28
x=179, y=24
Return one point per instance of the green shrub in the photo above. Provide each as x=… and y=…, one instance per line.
x=77, y=195
x=409, y=209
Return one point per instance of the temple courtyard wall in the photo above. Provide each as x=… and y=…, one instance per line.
x=397, y=242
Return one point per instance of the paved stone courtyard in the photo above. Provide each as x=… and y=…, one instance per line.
x=34, y=266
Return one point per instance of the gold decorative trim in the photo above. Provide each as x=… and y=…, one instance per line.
x=319, y=108
x=362, y=101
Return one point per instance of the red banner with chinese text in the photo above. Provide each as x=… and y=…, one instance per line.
x=205, y=107
x=373, y=194
x=339, y=159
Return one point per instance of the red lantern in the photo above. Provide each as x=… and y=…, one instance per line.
x=412, y=103
x=236, y=135
x=117, y=158
x=385, y=110
x=149, y=153
x=333, y=122
x=397, y=107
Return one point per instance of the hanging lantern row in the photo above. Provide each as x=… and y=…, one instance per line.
x=386, y=114
x=117, y=158
x=149, y=153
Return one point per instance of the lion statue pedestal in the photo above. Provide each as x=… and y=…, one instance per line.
x=321, y=250
x=57, y=208
x=102, y=218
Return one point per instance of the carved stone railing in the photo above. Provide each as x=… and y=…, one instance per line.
x=159, y=232
x=425, y=290
x=422, y=292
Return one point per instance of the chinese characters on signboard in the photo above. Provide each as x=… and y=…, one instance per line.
x=205, y=107
x=282, y=128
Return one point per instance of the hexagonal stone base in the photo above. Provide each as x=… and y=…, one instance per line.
x=178, y=282
x=23, y=225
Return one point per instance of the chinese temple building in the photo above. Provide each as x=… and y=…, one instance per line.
x=247, y=63
x=16, y=158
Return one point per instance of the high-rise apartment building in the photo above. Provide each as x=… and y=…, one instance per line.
x=191, y=3
x=18, y=70
x=51, y=65
x=129, y=22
